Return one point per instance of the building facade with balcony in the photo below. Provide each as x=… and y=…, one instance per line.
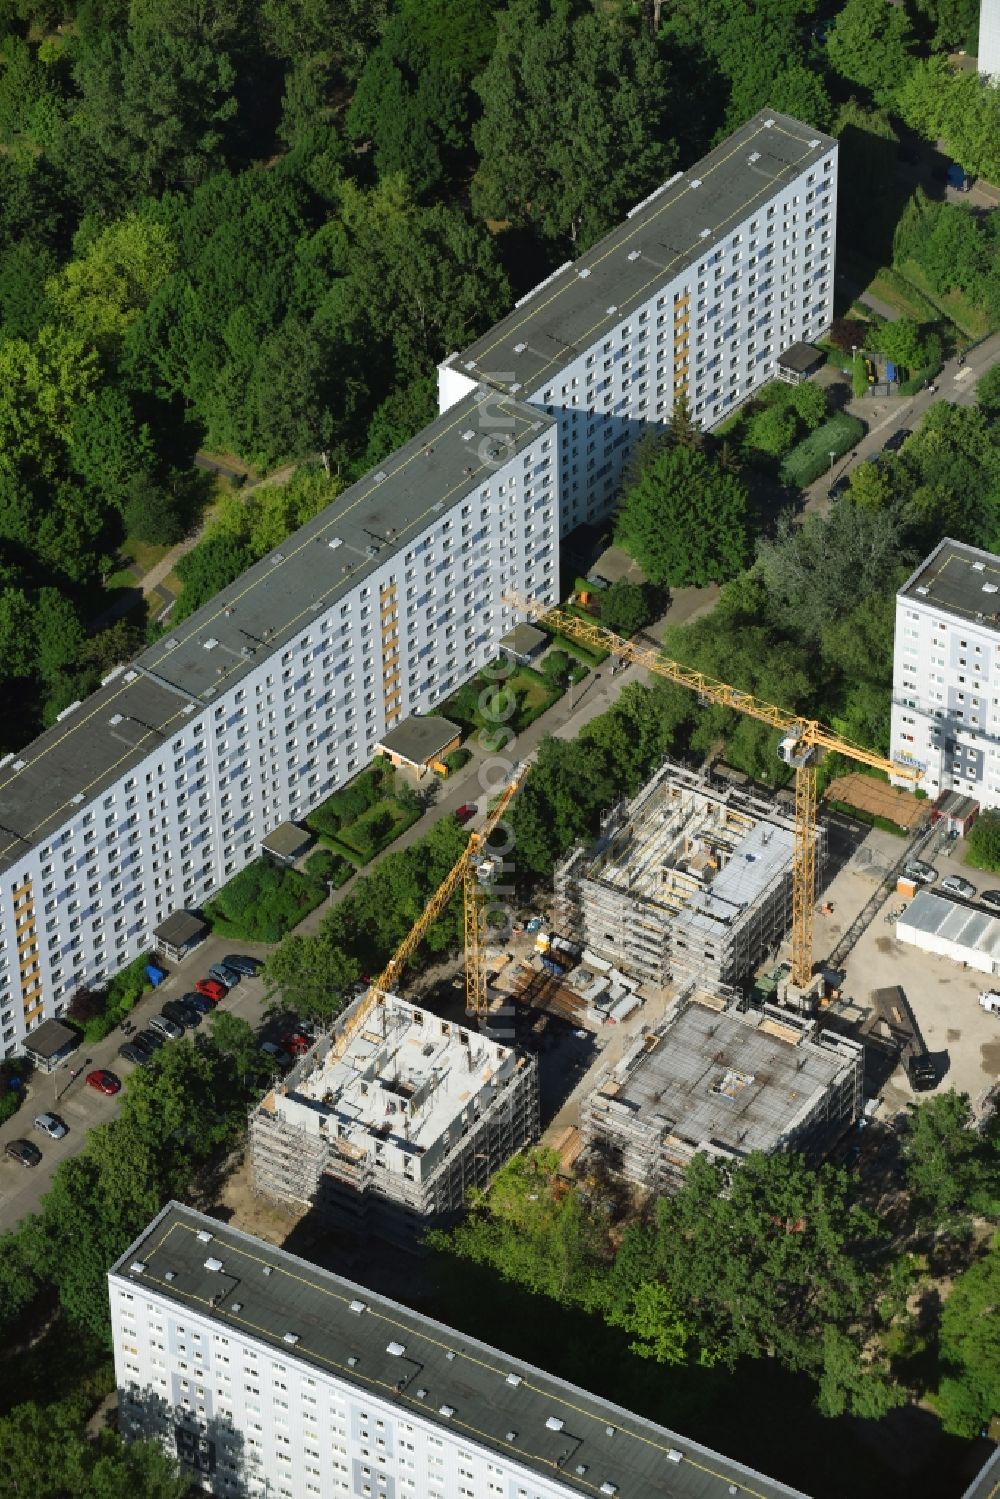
x=144, y=799
x=696, y=295
x=946, y=673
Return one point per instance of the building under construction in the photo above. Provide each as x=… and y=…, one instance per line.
x=718, y=1079
x=689, y=878
x=384, y=1127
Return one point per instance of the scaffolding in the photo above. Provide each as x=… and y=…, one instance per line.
x=721, y=1080
x=389, y=1131
x=689, y=878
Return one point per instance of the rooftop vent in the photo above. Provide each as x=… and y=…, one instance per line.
x=470, y=364
x=704, y=233
x=352, y=1361
x=209, y=644
x=290, y=1337
x=204, y=1236
x=212, y=1263
x=450, y=1354
x=989, y=588
x=236, y=1307
x=131, y=676
x=609, y=1431
x=611, y=310
x=674, y=1455
x=468, y=435
x=695, y=182
x=170, y=1275
x=421, y=1393
x=580, y=1469
x=607, y=1487
x=922, y=588
x=76, y=800
x=515, y=385
x=378, y=477
x=446, y=1410
x=138, y=1267
x=584, y=273
x=768, y=124
x=978, y=567
x=514, y=1379
x=277, y=557
x=510, y=1436
x=754, y=156
x=813, y=145
x=267, y=1270
x=554, y=1423
x=115, y=718
x=334, y=543
x=396, y=1349
x=357, y=1307
x=520, y=348
x=171, y=644
x=633, y=255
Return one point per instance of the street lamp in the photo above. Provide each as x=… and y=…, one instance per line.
x=832, y=457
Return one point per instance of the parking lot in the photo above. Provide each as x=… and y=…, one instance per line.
x=964, y=1039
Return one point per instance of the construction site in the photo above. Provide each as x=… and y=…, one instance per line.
x=688, y=878
x=722, y=1080
x=385, y=1126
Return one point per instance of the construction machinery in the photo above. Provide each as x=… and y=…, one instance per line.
x=465, y=871
x=802, y=739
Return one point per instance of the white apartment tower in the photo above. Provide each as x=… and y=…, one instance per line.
x=946, y=672
x=269, y=1376
x=147, y=797
x=989, y=38
x=697, y=293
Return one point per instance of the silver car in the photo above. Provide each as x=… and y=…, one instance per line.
x=955, y=885
x=919, y=870
x=51, y=1125
x=165, y=1028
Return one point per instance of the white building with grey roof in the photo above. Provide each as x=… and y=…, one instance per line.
x=946, y=672
x=697, y=294
x=269, y=1376
x=147, y=797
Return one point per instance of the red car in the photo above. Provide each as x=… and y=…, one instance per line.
x=467, y=813
x=104, y=1081
x=295, y=1043
x=211, y=989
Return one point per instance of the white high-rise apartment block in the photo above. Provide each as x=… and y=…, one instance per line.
x=946, y=672
x=988, y=58
x=269, y=1376
x=147, y=797
x=697, y=294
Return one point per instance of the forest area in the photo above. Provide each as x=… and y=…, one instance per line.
x=253, y=228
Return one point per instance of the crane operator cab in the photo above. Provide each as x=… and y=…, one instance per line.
x=795, y=752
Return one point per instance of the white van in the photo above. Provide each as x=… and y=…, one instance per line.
x=990, y=1000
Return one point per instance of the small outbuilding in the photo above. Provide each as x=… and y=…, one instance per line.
x=421, y=743
x=285, y=844
x=50, y=1044
x=952, y=929
x=178, y=934
x=957, y=812
x=798, y=362
x=523, y=643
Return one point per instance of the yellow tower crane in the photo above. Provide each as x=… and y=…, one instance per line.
x=463, y=871
x=802, y=739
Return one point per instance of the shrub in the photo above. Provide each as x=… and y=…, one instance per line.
x=457, y=759
x=983, y=848
x=264, y=902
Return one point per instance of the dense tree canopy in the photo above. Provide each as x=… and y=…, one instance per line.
x=684, y=519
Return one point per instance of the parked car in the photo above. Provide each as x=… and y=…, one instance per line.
x=148, y=1041
x=197, y=1002
x=212, y=989
x=129, y=1052
x=189, y=1016
x=295, y=1043
x=23, y=1151
x=955, y=885
x=990, y=898
x=104, y=1081
x=162, y=1025
x=839, y=486
x=895, y=442
x=178, y=1013
x=223, y=974
x=917, y=869
x=241, y=964
x=467, y=812
x=275, y=1053
x=51, y=1125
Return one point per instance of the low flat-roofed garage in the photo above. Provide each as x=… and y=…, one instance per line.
x=420, y=743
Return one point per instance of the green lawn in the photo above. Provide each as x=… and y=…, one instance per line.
x=955, y=305
x=377, y=828
x=143, y=555
x=811, y=457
